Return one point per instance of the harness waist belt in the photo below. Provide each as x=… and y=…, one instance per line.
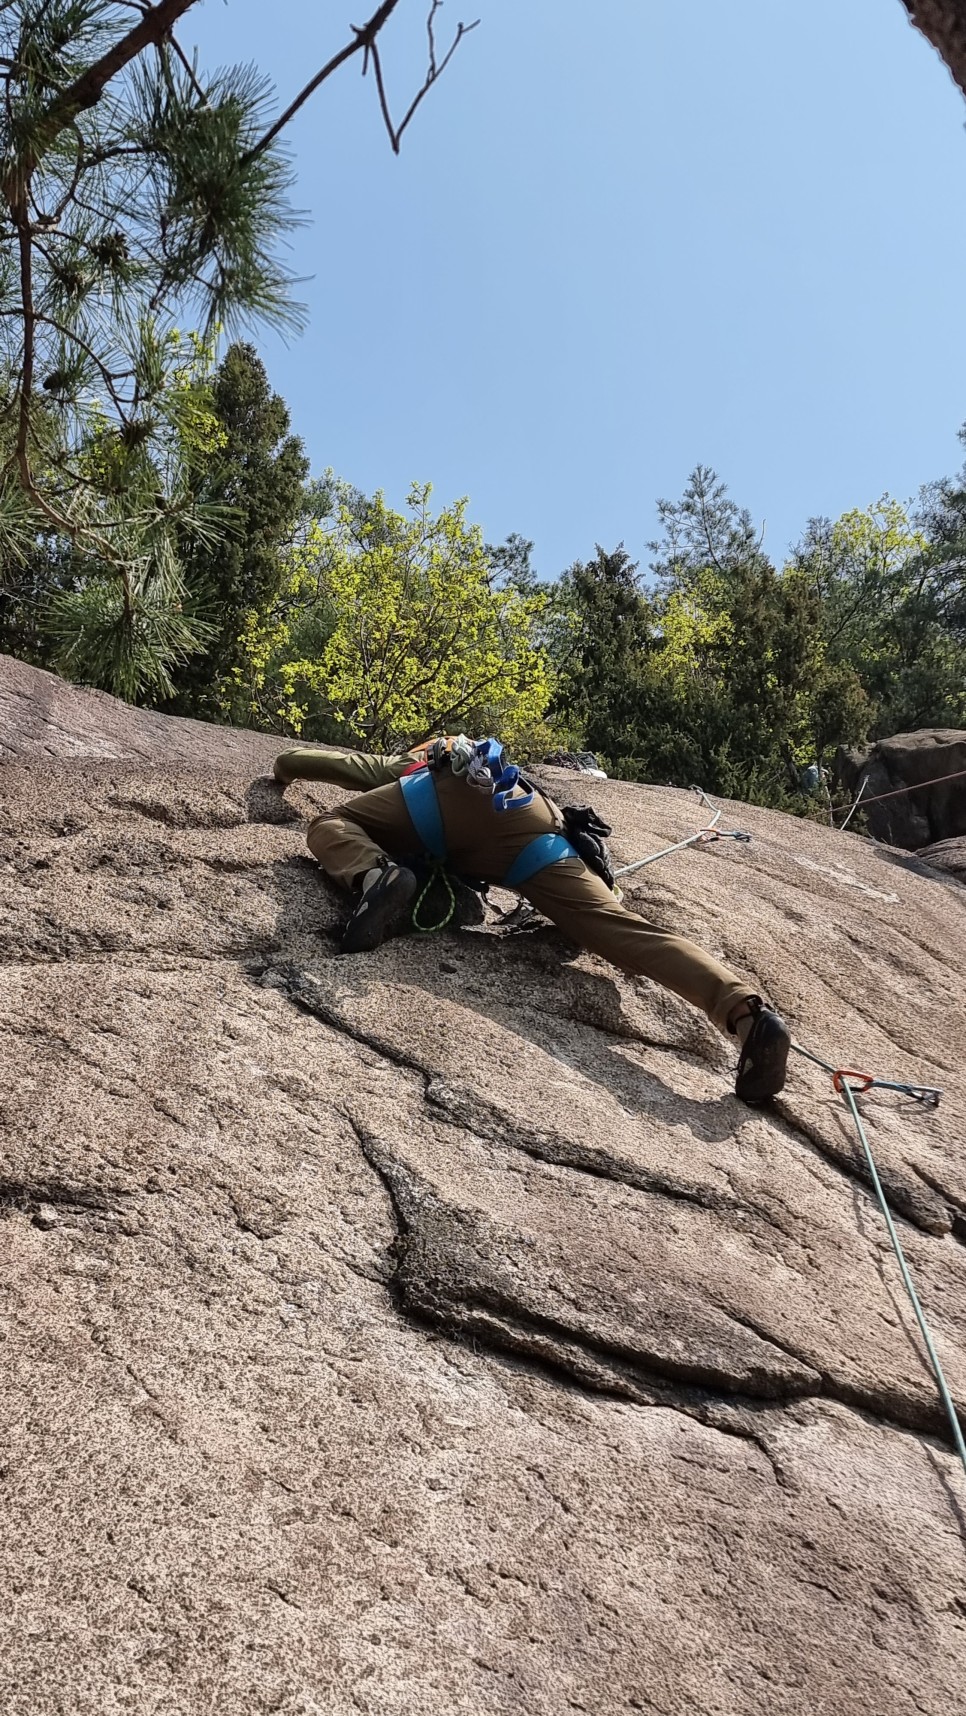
x=543, y=850
x=419, y=795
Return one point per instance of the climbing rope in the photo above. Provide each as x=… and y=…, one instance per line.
x=704, y=837
x=958, y=774
x=848, y=1083
x=437, y=873
x=847, y=1090
x=842, y=1080
x=853, y=807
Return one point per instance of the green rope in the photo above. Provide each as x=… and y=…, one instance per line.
x=437, y=872
x=937, y=1368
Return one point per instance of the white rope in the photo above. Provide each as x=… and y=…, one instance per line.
x=862, y=786
x=679, y=845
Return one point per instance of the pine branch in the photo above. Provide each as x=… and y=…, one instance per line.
x=155, y=24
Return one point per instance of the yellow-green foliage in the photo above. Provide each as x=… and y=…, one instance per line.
x=877, y=541
x=409, y=634
x=696, y=632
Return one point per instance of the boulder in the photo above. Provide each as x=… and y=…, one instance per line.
x=948, y=856
x=912, y=818
x=433, y=1331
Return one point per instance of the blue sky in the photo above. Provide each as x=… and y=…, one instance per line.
x=622, y=238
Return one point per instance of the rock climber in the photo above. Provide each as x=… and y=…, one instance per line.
x=364, y=844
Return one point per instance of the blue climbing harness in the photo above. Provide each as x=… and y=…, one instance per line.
x=422, y=803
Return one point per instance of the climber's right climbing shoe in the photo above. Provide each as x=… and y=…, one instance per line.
x=764, y=1056
x=387, y=894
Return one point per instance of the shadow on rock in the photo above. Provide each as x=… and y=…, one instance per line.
x=265, y=802
x=918, y=866
x=528, y=987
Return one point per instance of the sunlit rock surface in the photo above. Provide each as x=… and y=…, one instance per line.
x=432, y=1331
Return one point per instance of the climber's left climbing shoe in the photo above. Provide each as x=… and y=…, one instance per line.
x=764, y=1056
x=386, y=898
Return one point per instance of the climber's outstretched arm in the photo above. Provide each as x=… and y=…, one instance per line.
x=357, y=770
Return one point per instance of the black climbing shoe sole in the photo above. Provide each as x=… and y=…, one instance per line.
x=763, y=1059
x=381, y=908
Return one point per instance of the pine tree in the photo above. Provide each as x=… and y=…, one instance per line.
x=256, y=474
x=137, y=196
x=601, y=654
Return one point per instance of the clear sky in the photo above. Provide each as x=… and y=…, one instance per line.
x=623, y=237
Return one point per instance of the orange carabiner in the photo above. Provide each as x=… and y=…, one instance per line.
x=866, y=1080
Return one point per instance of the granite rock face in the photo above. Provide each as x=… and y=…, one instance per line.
x=914, y=813
x=432, y=1331
x=947, y=856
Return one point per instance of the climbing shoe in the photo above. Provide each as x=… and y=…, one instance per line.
x=387, y=893
x=763, y=1058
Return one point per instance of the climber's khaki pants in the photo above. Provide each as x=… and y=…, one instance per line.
x=352, y=769
x=482, y=842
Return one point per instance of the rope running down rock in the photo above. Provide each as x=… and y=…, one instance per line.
x=842, y=1078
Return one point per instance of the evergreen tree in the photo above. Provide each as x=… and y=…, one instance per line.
x=511, y=564
x=254, y=476
x=704, y=530
x=136, y=194
x=601, y=651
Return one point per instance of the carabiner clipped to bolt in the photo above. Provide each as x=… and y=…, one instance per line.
x=866, y=1080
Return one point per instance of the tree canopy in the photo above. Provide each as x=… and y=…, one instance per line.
x=161, y=536
x=138, y=195
x=392, y=626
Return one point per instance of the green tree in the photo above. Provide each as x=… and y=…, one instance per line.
x=741, y=691
x=704, y=530
x=512, y=564
x=136, y=194
x=941, y=517
x=728, y=696
x=889, y=609
x=254, y=475
x=390, y=628
x=119, y=623
x=601, y=642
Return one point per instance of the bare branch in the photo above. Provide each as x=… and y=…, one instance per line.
x=365, y=42
x=435, y=71
x=364, y=38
